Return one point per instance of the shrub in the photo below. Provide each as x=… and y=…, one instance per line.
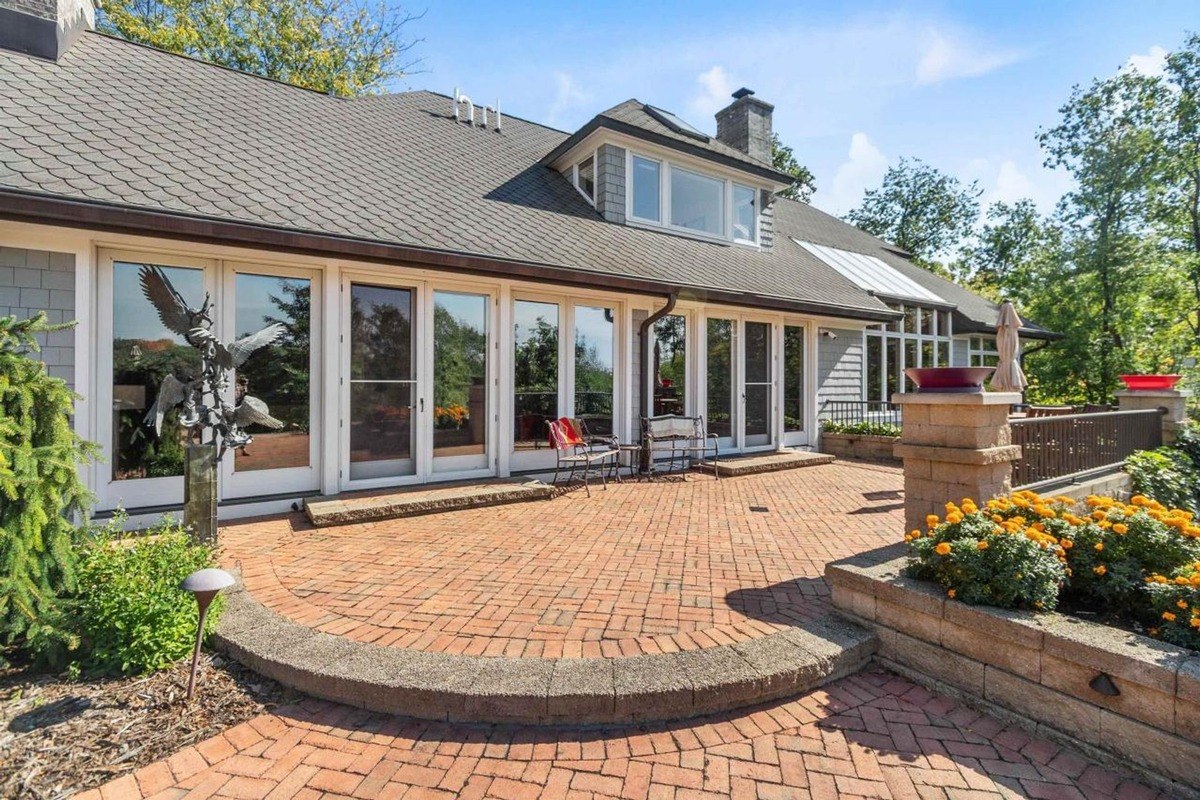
x=862, y=428
x=1174, y=605
x=1009, y=554
x=40, y=491
x=129, y=612
x=1167, y=475
x=1123, y=544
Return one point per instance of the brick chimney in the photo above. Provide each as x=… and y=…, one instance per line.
x=44, y=28
x=744, y=124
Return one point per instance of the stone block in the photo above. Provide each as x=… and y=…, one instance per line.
x=1151, y=748
x=982, y=645
x=720, y=678
x=906, y=620
x=1119, y=653
x=581, y=690
x=932, y=660
x=1135, y=700
x=651, y=687
x=1042, y=704
x=852, y=601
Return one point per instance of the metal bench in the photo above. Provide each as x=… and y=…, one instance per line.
x=578, y=451
x=682, y=438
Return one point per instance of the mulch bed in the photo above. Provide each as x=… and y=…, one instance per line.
x=58, y=737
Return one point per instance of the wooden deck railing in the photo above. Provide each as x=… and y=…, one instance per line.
x=1053, y=447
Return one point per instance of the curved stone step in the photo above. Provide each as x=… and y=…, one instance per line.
x=459, y=688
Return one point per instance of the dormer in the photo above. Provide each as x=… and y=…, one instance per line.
x=643, y=166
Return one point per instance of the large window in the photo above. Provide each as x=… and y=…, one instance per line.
x=720, y=377
x=535, y=371
x=697, y=202
x=670, y=365
x=981, y=351
x=594, y=368
x=277, y=375
x=647, y=189
x=920, y=339
x=460, y=356
x=793, y=378
x=145, y=352
x=664, y=193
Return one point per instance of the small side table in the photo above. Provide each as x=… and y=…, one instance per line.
x=630, y=457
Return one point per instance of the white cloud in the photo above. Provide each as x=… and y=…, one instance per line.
x=569, y=96
x=1151, y=63
x=949, y=56
x=715, y=88
x=863, y=169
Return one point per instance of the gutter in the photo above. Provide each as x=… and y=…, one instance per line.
x=44, y=209
x=644, y=361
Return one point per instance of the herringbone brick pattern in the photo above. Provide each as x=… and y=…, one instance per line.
x=872, y=735
x=641, y=568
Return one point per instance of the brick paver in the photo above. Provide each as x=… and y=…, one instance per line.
x=641, y=568
x=872, y=735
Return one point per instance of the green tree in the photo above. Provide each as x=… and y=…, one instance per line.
x=1004, y=254
x=343, y=47
x=39, y=488
x=921, y=210
x=1106, y=141
x=785, y=160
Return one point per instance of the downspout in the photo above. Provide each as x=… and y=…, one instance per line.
x=644, y=337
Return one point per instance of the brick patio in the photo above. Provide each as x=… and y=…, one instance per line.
x=873, y=735
x=642, y=568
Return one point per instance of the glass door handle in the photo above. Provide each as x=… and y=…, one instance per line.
x=422, y=401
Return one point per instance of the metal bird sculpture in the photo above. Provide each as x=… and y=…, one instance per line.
x=204, y=407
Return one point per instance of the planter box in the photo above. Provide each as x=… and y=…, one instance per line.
x=858, y=445
x=1036, y=668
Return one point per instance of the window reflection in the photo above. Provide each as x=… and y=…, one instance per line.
x=145, y=352
x=381, y=382
x=720, y=377
x=277, y=375
x=793, y=378
x=670, y=365
x=535, y=372
x=459, y=373
x=594, y=368
x=758, y=383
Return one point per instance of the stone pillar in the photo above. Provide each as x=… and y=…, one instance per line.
x=1173, y=400
x=200, y=492
x=954, y=445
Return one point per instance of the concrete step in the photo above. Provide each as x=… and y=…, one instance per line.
x=768, y=462
x=344, y=509
x=541, y=691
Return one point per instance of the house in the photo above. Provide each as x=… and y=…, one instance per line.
x=449, y=276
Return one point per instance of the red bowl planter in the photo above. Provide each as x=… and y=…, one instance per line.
x=949, y=379
x=1150, y=381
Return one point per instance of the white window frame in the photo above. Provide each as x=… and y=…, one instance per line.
x=595, y=156
x=982, y=351
x=666, y=167
x=662, y=189
x=884, y=332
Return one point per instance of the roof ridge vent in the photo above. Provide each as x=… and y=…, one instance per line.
x=459, y=103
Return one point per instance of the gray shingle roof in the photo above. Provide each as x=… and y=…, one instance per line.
x=116, y=123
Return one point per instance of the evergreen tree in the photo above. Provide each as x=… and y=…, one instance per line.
x=40, y=489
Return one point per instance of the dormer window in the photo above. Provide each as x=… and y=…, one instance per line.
x=585, y=178
x=745, y=214
x=663, y=193
x=697, y=202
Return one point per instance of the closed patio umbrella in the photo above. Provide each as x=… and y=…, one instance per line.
x=1008, y=376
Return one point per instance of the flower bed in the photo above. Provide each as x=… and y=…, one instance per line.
x=871, y=441
x=1137, y=563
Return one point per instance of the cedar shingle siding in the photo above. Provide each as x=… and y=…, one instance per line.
x=33, y=281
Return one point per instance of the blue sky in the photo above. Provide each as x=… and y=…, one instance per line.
x=964, y=86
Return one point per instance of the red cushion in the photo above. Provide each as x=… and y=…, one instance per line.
x=570, y=432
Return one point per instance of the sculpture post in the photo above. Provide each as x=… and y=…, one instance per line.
x=200, y=492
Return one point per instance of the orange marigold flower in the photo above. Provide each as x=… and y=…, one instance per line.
x=1181, y=604
x=954, y=518
x=982, y=545
x=1195, y=623
x=1120, y=528
x=1067, y=544
x=950, y=593
x=1100, y=570
x=1099, y=546
x=943, y=549
x=1168, y=616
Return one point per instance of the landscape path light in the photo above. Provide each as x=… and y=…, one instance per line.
x=204, y=584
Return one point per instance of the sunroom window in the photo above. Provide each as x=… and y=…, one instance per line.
x=922, y=341
x=745, y=214
x=647, y=186
x=585, y=178
x=697, y=202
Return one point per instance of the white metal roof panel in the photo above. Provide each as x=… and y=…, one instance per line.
x=871, y=273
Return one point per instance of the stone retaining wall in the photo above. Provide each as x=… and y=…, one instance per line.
x=857, y=445
x=1036, y=668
